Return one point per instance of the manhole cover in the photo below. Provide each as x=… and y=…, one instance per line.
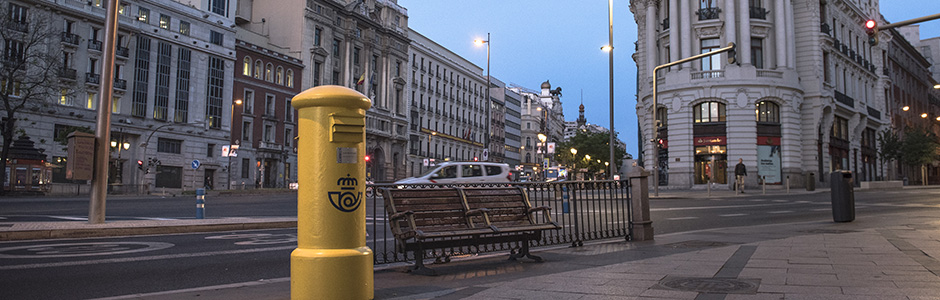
x=711, y=285
x=829, y=231
x=697, y=244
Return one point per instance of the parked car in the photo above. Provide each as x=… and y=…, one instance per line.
x=463, y=172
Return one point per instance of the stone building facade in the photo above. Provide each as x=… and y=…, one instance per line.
x=447, y=97
x=173, y=74
x=802, y=96
x=361, y=45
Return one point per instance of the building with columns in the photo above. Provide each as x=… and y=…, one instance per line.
x=801, y=97
x=447, y=112
x=359, y=44
x=541, y=113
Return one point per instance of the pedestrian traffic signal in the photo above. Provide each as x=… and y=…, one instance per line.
x=871, y=28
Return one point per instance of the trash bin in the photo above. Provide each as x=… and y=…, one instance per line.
x=843, y=196
x=811, y=181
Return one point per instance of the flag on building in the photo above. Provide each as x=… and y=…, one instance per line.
x=361, y=79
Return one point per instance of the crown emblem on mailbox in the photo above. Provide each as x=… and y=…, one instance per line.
x=346, y=199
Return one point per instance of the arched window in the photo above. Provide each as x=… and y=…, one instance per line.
x=709, y=112
x=269, y=72
x=246, y=67
x=279, y=76
x=528, y=157
x=290, y=78
x=258, y=69
x=768, y=112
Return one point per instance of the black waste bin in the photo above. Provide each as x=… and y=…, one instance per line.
x=811, y=181
x=843, y=196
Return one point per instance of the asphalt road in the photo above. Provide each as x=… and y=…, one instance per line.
x=104, y=267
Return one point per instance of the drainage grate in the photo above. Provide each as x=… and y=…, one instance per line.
x=829, y=231
x=697, y=244
x=711, y=285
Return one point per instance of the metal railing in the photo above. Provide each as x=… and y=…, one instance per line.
x=586, y=211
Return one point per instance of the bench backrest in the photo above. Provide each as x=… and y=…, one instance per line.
x=508, y=206
x=438, y=209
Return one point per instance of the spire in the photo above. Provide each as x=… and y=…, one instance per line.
x=581, y=119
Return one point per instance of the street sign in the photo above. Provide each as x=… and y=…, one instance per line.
x=225, y=150
x=426, y=162
x=486, y=154
x=195, y=164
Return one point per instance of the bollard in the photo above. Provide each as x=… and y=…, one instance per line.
x=788, y=184
x=331, y=260
x=763, y=184
x=200, y=203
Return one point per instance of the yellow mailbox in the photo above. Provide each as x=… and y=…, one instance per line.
x=331, y=260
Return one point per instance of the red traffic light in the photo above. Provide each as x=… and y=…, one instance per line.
x=870, y=24
x=368, y=158
x=140, y=164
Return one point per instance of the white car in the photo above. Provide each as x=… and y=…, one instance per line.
x=463, y=172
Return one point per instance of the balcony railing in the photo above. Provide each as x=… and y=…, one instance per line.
x=845, y=99
x=708, y=74
x=708, y=13
x=122, y=51
x=18, y=26
x=874, y=113
x=120, y=84
x=759, y=13
x=94, y=45
x=70, y=38
x=93, y=78
x=67, y=73
x=769, y=73
x=824, y=28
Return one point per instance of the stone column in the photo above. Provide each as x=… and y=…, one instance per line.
x=685, y=31
x=791, y=47
x=744, y=45
x=640, y=204
x=780, y=34
x=674, y=21
x=730, y=24
x=651, y=49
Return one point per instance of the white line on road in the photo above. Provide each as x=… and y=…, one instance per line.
x=681, y=218
x=142, y=258
x=713, y=207
x=822, y=209
x=780, y=201
x=732, y=215
x=780, y=212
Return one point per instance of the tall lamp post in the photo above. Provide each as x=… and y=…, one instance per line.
x=228, y=176
x=543, y=149
x=574, y=162
x=610, y=51
x=486, y=142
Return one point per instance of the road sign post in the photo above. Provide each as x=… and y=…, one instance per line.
x=331, y=260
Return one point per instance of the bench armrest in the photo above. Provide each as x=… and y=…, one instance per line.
x=478, y=211
x=540, y=208
x=400, y=215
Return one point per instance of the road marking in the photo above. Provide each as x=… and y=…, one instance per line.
x=682, y=218
x=142, y=258
x=780, y=201
x=713, y=207
x=200, y=289
x=732, y=215
x=80, y=249
x=780, y=212
x=68, y=218
x=802, y=201
x=821, y=209
x=758, y=200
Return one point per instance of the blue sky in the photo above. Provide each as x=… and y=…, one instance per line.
x=537, y=40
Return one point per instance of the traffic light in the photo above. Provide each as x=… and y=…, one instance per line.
x=733, y=54
x=140, y=164
x=368, y=158
x=871, y=28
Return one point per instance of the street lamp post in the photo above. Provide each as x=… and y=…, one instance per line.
x=228, y=176
x=610, y=44
x=574, y=162
x=486, y=142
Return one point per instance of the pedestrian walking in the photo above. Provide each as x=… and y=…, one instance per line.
x=740, y=171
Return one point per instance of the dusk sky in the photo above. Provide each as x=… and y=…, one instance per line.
x=533, y=41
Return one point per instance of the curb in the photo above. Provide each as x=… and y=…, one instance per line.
x=143, y=230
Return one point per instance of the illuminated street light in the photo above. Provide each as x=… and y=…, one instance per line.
x=923, y=115
x=906, y=108
x=574, y=151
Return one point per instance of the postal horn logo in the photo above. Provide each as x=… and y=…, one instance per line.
x=346, y=199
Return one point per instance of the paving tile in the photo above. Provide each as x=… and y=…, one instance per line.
x=657, y=293
x=799, y=289
x=758, y=296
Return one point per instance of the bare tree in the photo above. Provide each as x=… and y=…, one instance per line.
x=29, y=68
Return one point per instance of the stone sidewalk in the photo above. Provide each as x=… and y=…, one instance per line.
x=874, y=257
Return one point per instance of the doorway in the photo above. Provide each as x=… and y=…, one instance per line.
x=711, y=162
x=209, y=182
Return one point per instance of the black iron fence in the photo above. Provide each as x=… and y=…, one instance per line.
x=586, y=210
